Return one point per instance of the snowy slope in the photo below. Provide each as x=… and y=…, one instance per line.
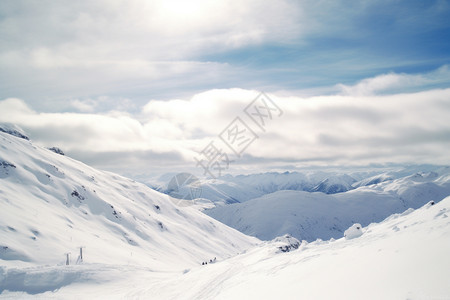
x=310, y=216
x=335, y=184
x=373, y=180
x=403, y=257
x=51, y=205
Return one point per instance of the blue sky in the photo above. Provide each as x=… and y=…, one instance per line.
x=394, y=36
x=133, y=64
x=283, y=45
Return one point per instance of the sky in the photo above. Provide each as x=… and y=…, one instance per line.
x=144, y=87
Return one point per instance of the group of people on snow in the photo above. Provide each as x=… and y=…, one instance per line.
x=210, y=261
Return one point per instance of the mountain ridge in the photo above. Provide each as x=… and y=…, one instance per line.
x=52, y=204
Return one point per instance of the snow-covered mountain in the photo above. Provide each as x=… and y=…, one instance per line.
x=373, y=180
x=335, y=184
x=318, y=204
x=310, y=216
x=403, y=257
x=233, y=189
x=138, y=244
x=13, y=130
x=230, y=189
x=51, y=205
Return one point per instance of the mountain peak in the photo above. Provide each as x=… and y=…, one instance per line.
x=13, y=130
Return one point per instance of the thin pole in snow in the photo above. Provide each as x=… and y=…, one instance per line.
x=81, y=252
x=67, y=258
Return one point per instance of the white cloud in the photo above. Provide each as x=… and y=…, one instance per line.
x=66, y=49
x=55, y=51
x=91, y=33
x=83, y=106
x=393, y=82
x=322, y=130
x=207, y=112
x=102, y=104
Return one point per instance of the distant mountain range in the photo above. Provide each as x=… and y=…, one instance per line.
x=319, y=204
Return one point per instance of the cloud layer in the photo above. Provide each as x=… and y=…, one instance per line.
x=63, y=50
x=351, y=129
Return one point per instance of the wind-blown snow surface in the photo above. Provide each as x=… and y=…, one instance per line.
x=309, y=216
x=51, y=205
x=404, y=257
